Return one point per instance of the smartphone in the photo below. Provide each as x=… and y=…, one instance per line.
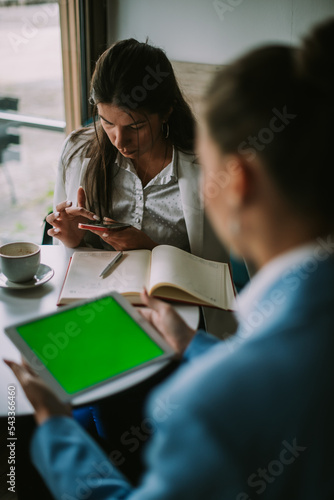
x=99, y=226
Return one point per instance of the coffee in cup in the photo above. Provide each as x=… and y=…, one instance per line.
x=20, y=260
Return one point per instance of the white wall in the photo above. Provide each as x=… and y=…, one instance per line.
x=214, y=31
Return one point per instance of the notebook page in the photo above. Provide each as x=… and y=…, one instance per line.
x=207, y=280
x=129, y=275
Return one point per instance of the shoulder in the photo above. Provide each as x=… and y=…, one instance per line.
x=188, y=166
x=76, y=143
x=74, y=161
x=188, y=158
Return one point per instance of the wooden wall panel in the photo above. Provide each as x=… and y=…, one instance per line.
x=194, y=79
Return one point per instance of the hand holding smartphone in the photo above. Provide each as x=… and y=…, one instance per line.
x=99, y=226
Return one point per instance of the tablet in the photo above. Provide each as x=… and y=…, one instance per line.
x=83, y=346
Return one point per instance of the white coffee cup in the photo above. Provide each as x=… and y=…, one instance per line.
x=20, y=260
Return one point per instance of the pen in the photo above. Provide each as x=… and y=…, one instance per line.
x=111, y=264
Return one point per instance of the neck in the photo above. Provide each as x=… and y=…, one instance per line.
x=271, y=239
x=268, y=253
x=272, y=245
x=151, y=163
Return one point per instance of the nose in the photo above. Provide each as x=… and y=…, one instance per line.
x=119, y=139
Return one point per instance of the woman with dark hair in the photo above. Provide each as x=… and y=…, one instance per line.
x=253, y=416
x=137, y=163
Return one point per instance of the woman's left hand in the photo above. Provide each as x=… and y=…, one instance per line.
x=168, y=323
x=45, y=402
x=126, y=239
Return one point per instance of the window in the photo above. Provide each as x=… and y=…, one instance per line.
x=32, y=115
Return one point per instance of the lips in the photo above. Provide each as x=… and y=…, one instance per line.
x=126, y=153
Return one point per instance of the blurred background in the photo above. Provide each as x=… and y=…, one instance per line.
x=31, y=84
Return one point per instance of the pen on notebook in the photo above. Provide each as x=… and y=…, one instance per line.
x=110, y=265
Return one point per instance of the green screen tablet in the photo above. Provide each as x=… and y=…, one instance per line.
x=81, y=346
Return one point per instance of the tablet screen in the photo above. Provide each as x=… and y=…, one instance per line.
x=86, y=345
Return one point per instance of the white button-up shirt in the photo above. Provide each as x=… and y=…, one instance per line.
x=156, y=208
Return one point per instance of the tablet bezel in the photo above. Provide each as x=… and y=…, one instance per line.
x=42, y=370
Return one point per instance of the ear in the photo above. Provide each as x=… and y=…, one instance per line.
x=167, y=115
x=241, y=181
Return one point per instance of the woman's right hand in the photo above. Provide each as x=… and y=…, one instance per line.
x=66, y=219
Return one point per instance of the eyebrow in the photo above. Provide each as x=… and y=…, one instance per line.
x=129, y=125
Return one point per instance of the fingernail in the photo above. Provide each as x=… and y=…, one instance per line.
x=68, y=203
x=56, y=230
x=105, y=235
x=56, y=214
x=96, y=217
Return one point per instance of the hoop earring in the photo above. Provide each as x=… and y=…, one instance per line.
x=166, y=134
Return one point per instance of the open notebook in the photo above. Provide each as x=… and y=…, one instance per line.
x=167, y=272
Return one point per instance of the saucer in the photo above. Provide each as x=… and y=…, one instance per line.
x=44, y=274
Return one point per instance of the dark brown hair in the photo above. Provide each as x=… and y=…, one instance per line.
x=278, y=102
x=135, y=77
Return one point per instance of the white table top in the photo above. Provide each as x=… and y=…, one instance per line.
x=19, y=305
